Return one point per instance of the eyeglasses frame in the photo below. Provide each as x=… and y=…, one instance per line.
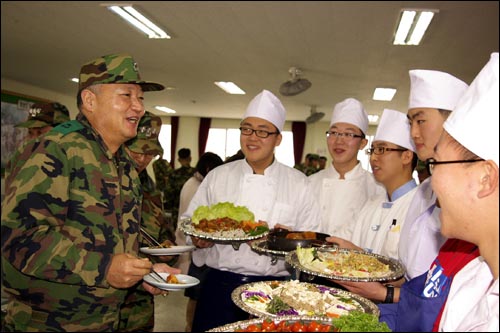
x=430, y=162
x=384, y=149
x=348, y=136
x=255, y=131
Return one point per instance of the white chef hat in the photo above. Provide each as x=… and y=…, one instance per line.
x=395, y=128
x=434, y=89
x=474, y=122
x=267, y=106
x=350, y=111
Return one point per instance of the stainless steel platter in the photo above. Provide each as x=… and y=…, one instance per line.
x=220, y=238
x=257, y=321
x=315, y=300
x=395, y=272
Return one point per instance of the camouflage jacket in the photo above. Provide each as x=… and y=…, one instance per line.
x=69, y=206
x=162, y=170
x=173, y=190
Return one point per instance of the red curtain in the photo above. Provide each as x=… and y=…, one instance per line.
x=203, y=134
x=173, y=141
x=299, y=137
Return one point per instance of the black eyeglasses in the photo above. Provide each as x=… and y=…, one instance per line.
x=430, y=163
x=381, y=150
x=347, y=136
x=260, y=133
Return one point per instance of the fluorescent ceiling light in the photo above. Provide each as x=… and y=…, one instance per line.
x=139, y=21
x=230, y=88
x=373, y=118
x=165, y=109
x=412, y=26
x=384, y=94
x=75, y=79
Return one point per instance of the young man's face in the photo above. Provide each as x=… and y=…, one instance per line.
x=426, y=126
x=344, y=149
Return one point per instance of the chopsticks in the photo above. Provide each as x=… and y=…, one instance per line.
x=150, y=239
x=155, y=275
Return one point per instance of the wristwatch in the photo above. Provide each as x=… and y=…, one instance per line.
x=389, y=297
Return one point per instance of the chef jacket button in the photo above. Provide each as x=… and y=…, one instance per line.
x=375, y=227
x=237, y=261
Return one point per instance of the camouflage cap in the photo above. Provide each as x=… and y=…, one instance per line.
x=114, y=68
x=45, y=114
x=146, y=141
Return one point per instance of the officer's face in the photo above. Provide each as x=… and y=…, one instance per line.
x=114, y=110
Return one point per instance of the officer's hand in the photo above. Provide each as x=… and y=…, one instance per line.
x=160, y=268
x=126, y=270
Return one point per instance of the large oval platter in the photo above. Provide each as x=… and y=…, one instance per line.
x=244, y=324
x=337, y=264
x=225, y=237
x=298, y=298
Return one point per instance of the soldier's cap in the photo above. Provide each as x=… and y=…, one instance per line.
x=114, y=68
x=146, y=141
x=45, y=114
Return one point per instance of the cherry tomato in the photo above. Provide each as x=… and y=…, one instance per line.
x=313, y=326
x=298, y=327
x=283, y=326
x=268, y=325
x=253, y=328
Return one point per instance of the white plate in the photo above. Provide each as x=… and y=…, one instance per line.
x=186, y=282
x=168, y=251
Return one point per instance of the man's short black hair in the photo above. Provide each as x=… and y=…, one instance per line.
x=184, y=153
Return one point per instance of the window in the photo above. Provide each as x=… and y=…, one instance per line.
x=164, y=138
x=226, y=142
x=362, y=157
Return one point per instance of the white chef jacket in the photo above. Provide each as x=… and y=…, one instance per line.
x=420, y=238
x=187, y=192
x=472, y=303
x=379, y=223
x=341, y=200
x=281, y=195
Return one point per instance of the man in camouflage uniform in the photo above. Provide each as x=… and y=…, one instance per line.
x=162, y=170
x=137, y=313
x=175, y=182
x=71, y=213
x=43, y=117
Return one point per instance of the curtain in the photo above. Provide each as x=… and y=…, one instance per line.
x=203, y=135
x=173, y=141
x=299, y=136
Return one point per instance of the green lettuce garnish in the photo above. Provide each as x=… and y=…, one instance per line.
x=222, y=209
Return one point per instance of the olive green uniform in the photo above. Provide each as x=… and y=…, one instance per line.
x=69, y=206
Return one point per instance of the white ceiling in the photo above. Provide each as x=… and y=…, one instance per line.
x=344, y=48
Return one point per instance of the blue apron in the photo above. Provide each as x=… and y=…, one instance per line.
x=414, y=312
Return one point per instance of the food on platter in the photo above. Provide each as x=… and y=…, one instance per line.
x=344, y=264
x=285, y=240
x=357, y=321
x=224, y=219
x=283, y=324
x=280, y=298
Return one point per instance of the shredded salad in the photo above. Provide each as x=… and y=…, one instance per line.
x=280, y=298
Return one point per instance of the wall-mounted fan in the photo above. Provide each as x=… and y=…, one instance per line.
x=295, y=85
x=315, y=115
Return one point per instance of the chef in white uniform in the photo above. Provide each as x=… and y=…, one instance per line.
x=468, y=195
x=433, y=95
x=393, y=160
x=274, y=192
x=343, y=187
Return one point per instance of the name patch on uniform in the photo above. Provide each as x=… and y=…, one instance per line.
x=68, y=127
